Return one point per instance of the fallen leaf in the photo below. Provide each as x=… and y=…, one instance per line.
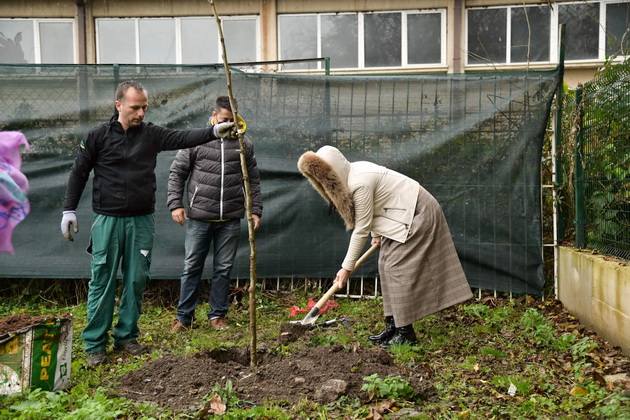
x=216, y=405
x=578, y=390
x=599, y=379
x=623, y=377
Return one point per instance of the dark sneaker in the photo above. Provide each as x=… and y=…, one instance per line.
x=95, y=359
x=132, y=347
x=219, y=324
x=179, y=326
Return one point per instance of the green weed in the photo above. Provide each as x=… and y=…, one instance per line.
x=493, y=352
x=391, y=387
x=515, y=385
x=535, y=323
x=71, y=405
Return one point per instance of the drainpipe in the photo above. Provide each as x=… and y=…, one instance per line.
x=84, y=112
x=269, y=31
x=458, y=10
x=81, y=21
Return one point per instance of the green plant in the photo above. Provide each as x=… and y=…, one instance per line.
x=516, y=385
x=535, y=323
x=76, y=404
x=477, y=310
x=583, y=347
x=391, y=387
x=493, y=352
x=227, y=395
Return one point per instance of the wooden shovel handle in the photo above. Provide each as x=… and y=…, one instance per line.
x=322, y=301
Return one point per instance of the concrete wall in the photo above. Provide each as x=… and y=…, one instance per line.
x=596, y=290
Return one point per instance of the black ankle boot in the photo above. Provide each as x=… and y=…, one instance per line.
x=403, y=335
x=387, y=333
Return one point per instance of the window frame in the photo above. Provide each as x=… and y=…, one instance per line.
x=553, y=35
x=178, y=36
x=37, y=47
x=442, y=12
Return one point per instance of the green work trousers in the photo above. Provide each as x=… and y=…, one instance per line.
x=113, y=239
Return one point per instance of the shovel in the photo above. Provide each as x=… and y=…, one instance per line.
x=313, y=314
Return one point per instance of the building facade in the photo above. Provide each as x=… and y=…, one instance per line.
x=368, y=36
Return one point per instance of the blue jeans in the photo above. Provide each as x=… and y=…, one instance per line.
x=200, y=236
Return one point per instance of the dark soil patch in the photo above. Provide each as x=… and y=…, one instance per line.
x=290, y=332
x=19, y=322
x=180, y=382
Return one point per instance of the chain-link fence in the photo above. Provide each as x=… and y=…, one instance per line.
x=601, y=159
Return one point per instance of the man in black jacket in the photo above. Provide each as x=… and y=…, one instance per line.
x=123, y=154
x=216, y=203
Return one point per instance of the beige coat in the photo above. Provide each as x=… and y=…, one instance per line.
x=383, y=201
x=419, y=267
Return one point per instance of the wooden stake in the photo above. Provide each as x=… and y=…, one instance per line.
x=248, y=197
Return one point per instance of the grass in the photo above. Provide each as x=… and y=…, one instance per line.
x=502, y=358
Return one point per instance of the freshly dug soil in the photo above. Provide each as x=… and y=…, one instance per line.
x=180, y=383
x=290, y=332
x=19, y=321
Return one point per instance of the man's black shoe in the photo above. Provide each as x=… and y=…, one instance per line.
x=132, y=347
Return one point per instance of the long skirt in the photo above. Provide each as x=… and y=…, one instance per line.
x=423, y=275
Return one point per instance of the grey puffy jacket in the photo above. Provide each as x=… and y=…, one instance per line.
x=215, y=181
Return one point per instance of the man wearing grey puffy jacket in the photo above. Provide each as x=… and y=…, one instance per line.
x=216, y=205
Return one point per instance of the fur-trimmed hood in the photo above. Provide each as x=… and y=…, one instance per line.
x=327, y=170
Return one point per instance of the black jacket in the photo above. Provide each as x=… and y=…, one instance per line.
x=124, y=165
x=215, y=180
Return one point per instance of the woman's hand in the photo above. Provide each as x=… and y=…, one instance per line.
x=342, y=278
x=376, y=240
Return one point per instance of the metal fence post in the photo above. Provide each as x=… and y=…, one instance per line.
x=579, y=171
x=559, y=178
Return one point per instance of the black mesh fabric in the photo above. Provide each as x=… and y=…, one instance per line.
x=474, y=141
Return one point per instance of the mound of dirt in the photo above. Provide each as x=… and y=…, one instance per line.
x=180, y=382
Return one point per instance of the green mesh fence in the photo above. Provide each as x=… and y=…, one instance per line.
x=474, y=141
x=602, y=162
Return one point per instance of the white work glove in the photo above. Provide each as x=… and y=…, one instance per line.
x=226, y=130
x=69, y=219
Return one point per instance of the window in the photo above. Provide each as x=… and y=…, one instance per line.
x=340, y=27
x=182, y=40
x=487, y=35
x=528, y=34
x=529, y=39
x=37, y=41
x=157, y=41
x=618, y=29
x=197, y=49
x=582, y=33
x=382, y=32
x=364, y=40
x=298, y=39
x=424, y=38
